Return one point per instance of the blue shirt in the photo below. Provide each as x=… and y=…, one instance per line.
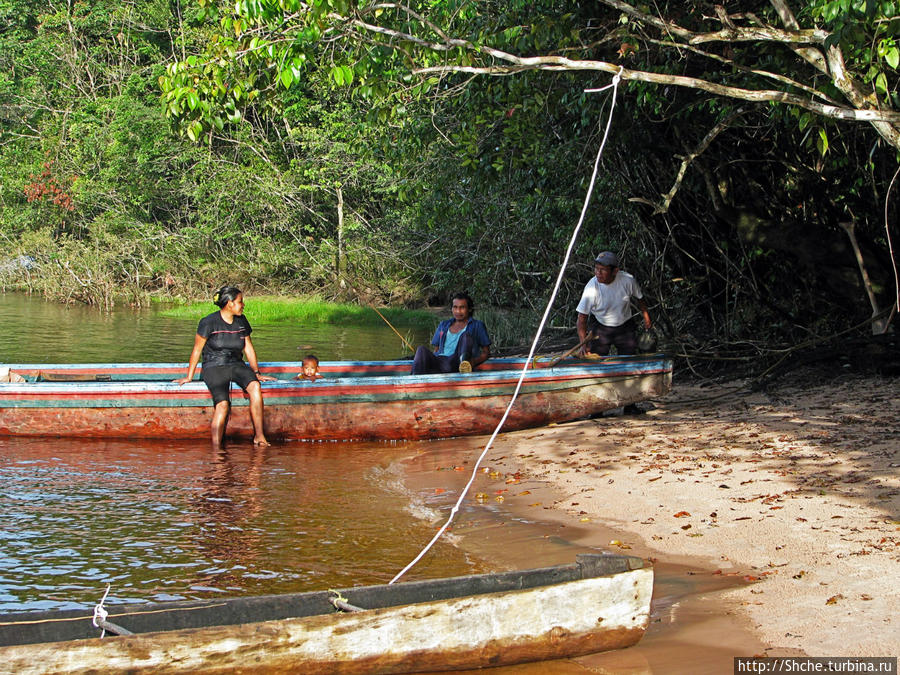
x=475, y=328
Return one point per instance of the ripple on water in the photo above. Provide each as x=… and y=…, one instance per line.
x=163, y=521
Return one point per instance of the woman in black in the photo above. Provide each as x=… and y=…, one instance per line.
x=222, y=339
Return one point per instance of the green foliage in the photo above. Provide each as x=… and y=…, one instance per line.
x=284, y=110
x=268, y=309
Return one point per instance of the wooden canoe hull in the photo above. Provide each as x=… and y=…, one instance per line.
x=363, y=406
x=558, y=620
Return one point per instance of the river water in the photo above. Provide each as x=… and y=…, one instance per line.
x=175, y=519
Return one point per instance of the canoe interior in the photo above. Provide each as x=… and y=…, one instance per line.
x=23, y=628
x=283, y=370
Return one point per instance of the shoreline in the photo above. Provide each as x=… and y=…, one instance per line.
x=794, y=495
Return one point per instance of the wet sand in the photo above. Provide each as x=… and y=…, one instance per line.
x=691, y=629
x=771, y=519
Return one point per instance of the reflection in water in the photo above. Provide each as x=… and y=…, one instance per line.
x=226, y=505
x=51, y=333
x=164, y=521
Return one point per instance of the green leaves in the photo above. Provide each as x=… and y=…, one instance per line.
x=342, y=75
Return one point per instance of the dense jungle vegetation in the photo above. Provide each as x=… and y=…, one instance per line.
x=389, y=154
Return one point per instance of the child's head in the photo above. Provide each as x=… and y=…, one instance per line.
x=310, y=366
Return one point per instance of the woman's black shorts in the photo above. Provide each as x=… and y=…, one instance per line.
x=219, y=378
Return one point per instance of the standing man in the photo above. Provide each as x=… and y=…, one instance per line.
x=460, y=343
x=605, y=309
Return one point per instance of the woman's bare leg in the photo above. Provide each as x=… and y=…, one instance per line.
x=219, y=422
x=254, y=391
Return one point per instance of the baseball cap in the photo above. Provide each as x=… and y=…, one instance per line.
x=607, y=258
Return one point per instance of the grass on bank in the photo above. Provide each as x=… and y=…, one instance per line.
x=270, y=309
x=510, y=331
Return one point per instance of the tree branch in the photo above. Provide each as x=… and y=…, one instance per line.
x=663, y=207
x=559, y=63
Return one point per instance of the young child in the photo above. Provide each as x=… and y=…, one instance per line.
x=310, y=369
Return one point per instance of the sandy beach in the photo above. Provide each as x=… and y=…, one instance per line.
x=795, y=491
x=790, y=498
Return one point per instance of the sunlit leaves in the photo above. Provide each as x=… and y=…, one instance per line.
x=342, y=75
x=822, y=141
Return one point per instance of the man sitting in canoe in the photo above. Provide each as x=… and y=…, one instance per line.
x=460, y=344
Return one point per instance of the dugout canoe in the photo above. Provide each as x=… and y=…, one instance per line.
x=598, y=603
x=359, y=400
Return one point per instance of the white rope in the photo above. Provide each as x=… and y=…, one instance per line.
x=559, y=278
x=100, y=614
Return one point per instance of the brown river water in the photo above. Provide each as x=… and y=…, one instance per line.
x=170, y=520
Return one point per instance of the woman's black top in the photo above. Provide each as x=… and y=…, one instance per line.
x=224, y=341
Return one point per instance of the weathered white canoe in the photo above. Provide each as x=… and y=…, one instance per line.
x=601, y=602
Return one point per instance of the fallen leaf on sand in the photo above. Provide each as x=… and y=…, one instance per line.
x=833, y=600
x=681, y=514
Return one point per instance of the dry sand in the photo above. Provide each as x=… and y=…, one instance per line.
x=795, y=492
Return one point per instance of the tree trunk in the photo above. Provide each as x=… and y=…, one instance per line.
x=340, y=262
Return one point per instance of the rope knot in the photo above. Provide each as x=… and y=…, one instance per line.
x=100, y=613
x=618, y=76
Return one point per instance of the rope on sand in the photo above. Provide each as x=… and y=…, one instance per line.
x=528, y=361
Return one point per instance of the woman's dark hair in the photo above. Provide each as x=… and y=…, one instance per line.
x=464, y=295
x=225, y=295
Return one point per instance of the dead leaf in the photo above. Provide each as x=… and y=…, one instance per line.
x=681, y=514
x=833, y=600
